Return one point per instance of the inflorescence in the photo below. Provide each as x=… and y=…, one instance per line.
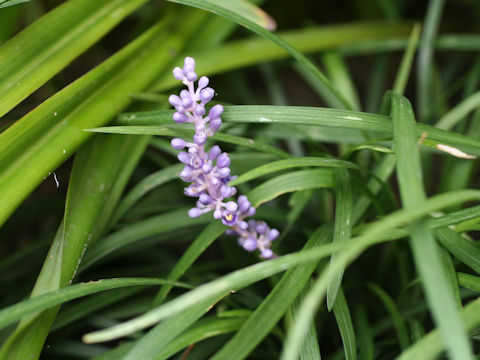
x=208, y=172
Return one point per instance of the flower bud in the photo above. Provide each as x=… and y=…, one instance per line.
x=178, y=144
x=174, y=100
x=179, y=118
x=223, y=160
x=184, y=157
x=215, y=111
x=231, y=206
x=214, y=152
x=203, y=82
x=194, y=212
x=178, y=73
x=206, y=95
x=250, y=244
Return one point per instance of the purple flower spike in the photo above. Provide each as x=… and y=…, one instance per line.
x=208, y=172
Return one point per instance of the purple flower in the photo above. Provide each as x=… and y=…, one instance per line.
x=208, y=172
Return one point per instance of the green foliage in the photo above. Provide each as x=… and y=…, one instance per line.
x=377, y=253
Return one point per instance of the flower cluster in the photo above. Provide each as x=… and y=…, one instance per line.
x=208, y=172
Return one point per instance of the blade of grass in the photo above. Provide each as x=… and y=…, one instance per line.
x=406, y=65
x=264, y=318
x=290, y=163
x=6, y=3
x=175, y=130
x=223, y=9
x=425, y=56
x=432, y=344
x=15, y=312
x=299, y=115
x=365, y=338
x=48, y=135
x=241, y=278
x=425, y=250
x=200, y=244
x=397, y=319
x=459, y=112
x=344, y=323
x=99, y=175
x=342, y=228
x=51, y=43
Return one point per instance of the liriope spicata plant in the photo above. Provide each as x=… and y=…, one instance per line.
x=365, y=266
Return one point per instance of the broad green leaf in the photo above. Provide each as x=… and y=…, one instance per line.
x=244, y=277
x=220, y=8
x=344, y=323
x=264, y=318
x=15, y=312
x=425, y=250
x=342, y=228
x=36, y=54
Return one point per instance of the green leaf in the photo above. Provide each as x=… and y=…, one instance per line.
x=99, y=175
x=432, y=344
x=164, y=333
x=129, y=234
x=291, y=163
x=301, y=115
x=176, y=130
x=204, y=329
x=461, y=248
x=15, y=312
x=220, y=8
x=200, y=244
x=405, y=67
x=459, y=112
x=44, y=48
x=342, y=228
x=293, y=181
x=439, y=294
x=396, y=316
x=264, y=318
x=147, y=184
x=425, y=56
x=48, y=135
x=375, y=233
x=344, y=322
x=5, y=3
